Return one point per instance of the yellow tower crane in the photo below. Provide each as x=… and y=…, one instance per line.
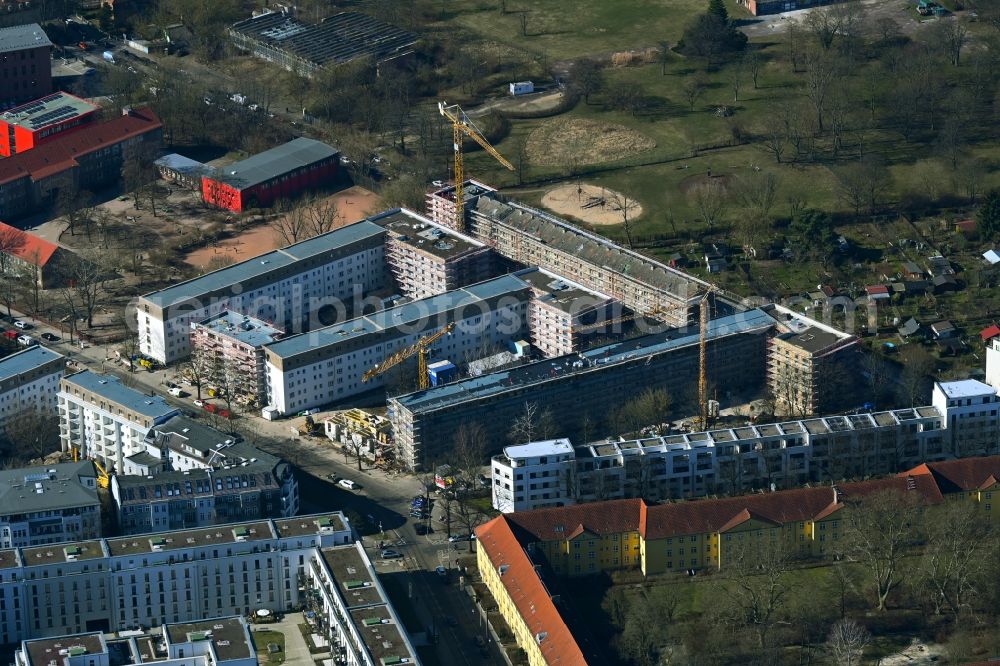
x=461, y=127
x=422, y=348
x=103, y=478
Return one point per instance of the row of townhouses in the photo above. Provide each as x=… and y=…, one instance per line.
x=962, y=421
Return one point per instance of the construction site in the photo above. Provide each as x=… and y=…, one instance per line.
x=492, y=307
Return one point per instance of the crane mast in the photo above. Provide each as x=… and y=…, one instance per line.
x=421, y=347
x=461, y=127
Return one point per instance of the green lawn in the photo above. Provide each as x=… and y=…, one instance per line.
x=562, y=30
x=262, y=638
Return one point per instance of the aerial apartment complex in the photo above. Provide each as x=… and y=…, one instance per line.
x=534, y=238
x=578, y=390
x=518, y=552
x=961, y=422
x=100, y=418
x=219, y=641
x=184, y=578
x=327, y=364
x=49, y=504
x=192, y=475
x=283, y=287
x=164, y=577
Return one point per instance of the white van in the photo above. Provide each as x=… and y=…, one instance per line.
x=26, y=340
x=176, y=391
x=347, y=483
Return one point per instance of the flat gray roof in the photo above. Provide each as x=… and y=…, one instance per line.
x=352, y=577
x=26, y=361
x=110, y=387
x=430, y=310
x=26, y=36
x=48, y=488
x=182, y=164
x=44, y=651
x=228, y=635
x=562, y=293
x=48, y=110
x=423, y=234
x=177, y=539
x=243, y=328
x=263, y=264
x=271, y=164
x=557, y=368
x=303, y=525
x=812, y=339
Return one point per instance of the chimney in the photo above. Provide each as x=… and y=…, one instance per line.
x=836, y=494
x=126, y=110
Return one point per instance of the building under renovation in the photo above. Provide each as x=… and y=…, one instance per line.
x=534, y=238
x=579, y=391
x=304, y=48
x=427, y=259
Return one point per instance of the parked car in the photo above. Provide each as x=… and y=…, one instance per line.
x=199, y=403
x=23, y=325
x=49, y=337
x=348, y=484
x=26, y=340
x=390, y=554
x=455, y=538
x=419, y=515
x=309, y=412
x=177, y=392
x=441, y=572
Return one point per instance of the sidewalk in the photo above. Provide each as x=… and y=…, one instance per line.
x=296, y=650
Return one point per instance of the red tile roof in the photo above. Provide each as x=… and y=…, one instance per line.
x=611, y=517
x=61, y=153
x=877, y=289
x=528, y=593
x=966, y=225
x=989, y=332
x=954, y=476
x=35, y=250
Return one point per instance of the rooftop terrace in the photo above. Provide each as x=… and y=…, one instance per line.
x=228, y=635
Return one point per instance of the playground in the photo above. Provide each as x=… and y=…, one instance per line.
x=591, y=204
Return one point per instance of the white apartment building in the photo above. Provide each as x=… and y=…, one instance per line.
x=40, y=505
x=534, y=475
x=326, y=365
x=284, y=287
x=961, y=422
x=353, y=609
x=102, y=419
x=221, y=641
x=139, y=582
x=29, y=380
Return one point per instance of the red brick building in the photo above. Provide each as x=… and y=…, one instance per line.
x=279, y=173
x=29, y=125
x=88, y=160
x=25, y=64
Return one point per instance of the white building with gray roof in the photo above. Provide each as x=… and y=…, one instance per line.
x=102, y=419
x=326, y=365
x=284, y=287
x=49, y=504
x=29, y=381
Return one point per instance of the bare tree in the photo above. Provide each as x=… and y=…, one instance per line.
x=12, y=242
x=753, y=63
x=322, y=216
x=847, y=642
x=291, y=224
x=85, y=285
x=525, y=426
x=138, y=171
x=821, y=73
x=198, y=369
x=955, y=562
x=755, y=584
x=823, y=24
x=877, y=534
x=917, y=365
x=692, y=89
x=625, y=205
x=709, y=199
x=757, y=192
x=31, y=433
x=774, y=140
x=75, y=205
x=469, y=453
